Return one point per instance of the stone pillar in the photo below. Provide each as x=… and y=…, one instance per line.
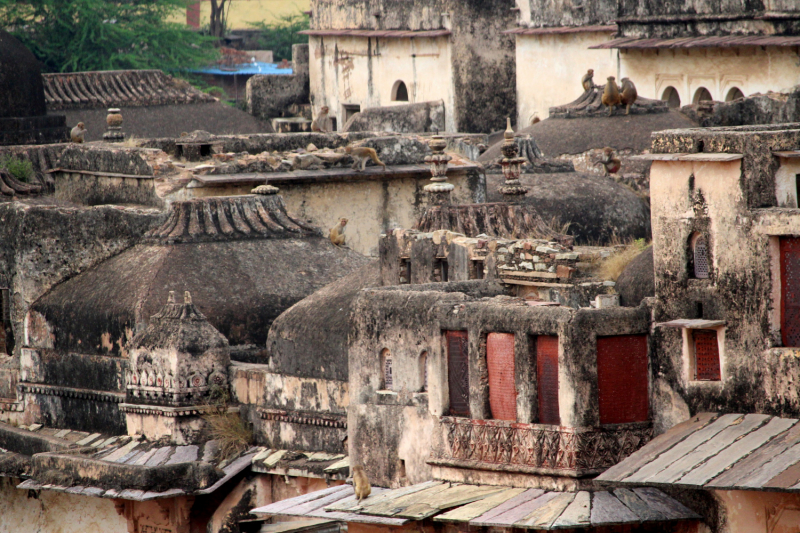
x=440, y=189
x=114, y=122
x=512, y=189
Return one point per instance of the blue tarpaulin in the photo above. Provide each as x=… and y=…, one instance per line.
x=246, y=68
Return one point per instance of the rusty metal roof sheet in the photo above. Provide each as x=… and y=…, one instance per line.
x=557, y=30
x=386, y=34
x=720, y=452
x=482, y=505
x=726, y=41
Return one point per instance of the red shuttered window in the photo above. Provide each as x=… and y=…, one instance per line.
x=622, y=378
x=706, y=355
x=547, y=379
x=458, y=372
x=790, y=291
x=502, y=387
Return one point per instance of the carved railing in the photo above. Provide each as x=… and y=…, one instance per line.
x=537, y=448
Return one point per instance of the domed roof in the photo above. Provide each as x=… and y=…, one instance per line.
x=595, y=206
x=21, y=87
x=243, y=258
x=310, y=338
x=560, y=136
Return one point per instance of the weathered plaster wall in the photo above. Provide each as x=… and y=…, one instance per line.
x=751, y=511
x=751, y=69
x=23, y=511
x=550, y=68
x=566, y=12
x=473, y=70
x=358, y=71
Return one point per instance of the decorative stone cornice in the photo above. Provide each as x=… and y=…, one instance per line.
x=67, y=392
x=299, y=417
x=169, y=412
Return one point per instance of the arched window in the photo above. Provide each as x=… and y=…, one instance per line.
x=400, y=92
x=423, y=371
x=734, y=94
x=700, y=263
x=702, y=94
x=386, y=369
x=671, y=96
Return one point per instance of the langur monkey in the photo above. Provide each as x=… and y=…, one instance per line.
x=629, y=94
x=77, y=133
x=337, y=232
x=586, y=81
x=361, y=482
x=611, y=96
x=360, y=154
x=610, y=161
x=320, y=124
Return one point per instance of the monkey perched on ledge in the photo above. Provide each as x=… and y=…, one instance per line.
x=629, y=94
x=337, y=232
x=360, y=154
x=361, y=482
x=320, y=124
x=611, y=95
x=586, y=81
x=610, y=161
x=77, y=133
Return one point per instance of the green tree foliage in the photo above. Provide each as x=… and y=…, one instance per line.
x=279, y=36
x=79, y=35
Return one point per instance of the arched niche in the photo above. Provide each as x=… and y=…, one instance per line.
x=671, y=96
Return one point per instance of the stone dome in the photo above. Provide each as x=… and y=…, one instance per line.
x=243, y=258
x=21, y=87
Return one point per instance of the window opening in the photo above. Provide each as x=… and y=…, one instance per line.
x=500, y=366
x=405, y=271
x=700, y=258
x=386, y=365
x=5, y=320
x=350, y=110
x=734, y=94
x=797, y=190
x=547, y=379
x=476, y=269
x=423, y=363
x=458, y=372
x=400, y=92
x=706, y=355
x=702, y=95
x=790, y=295
x=440, y=270
x=622, y=379
x=671, y=96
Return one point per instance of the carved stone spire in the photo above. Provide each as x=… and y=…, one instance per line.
x=440, y=189
x=511, y=163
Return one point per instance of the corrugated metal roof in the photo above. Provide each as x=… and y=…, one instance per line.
x=487, y=506
x=720, y=452
x=726, y=41
x=563, y=29
x=387, y=34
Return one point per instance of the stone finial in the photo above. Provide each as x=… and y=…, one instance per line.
x=438, y=160
x=114, y=122
x=511, y=163
x=171, y=297
x=187, y=297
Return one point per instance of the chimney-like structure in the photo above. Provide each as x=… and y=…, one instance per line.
x=512, y=189
x=439, y=189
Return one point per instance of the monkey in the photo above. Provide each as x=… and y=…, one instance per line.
x=610, y=162
x=320, y=124
x=535, y=120
x=361, y=482
x=360, y=154
x=77, y=133
x=629, y=94
x=337, y=232
x=586, y=81
x=611, y=96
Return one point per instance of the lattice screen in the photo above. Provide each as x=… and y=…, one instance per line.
x=790, y=291
x=387, y=371
x=500, y=364
x=458, y=372
x=706, y=355
x=547, y=379
x=622, y=379
x=701, y=258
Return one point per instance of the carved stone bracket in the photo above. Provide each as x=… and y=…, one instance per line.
x=538, y=448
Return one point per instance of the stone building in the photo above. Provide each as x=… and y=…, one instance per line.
x=375, y=54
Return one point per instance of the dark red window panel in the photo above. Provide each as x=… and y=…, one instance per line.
x=706, y=355
x=458, y=372
x=622, y=378
x=502, y=388
x=547, y=379
x=790, y=291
